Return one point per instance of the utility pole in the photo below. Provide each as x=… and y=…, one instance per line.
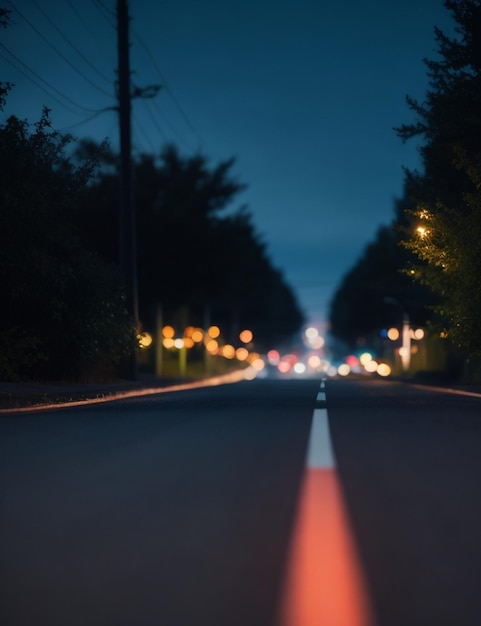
x=127, y=213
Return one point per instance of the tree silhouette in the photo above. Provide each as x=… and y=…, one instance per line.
x=63, y=313
x=445, y=232
x=440, y=283
x=196, y=252
x=360, y=307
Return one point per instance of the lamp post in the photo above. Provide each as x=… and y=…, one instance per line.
x=405, y=350
x=182, y=350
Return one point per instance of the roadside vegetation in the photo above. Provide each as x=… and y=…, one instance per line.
x=426, y=263
x=65, y=313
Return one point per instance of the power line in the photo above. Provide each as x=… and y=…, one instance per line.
x=166, y=85
x=144, y=134
x=79, y=17
x=86, y=26
x=81, y=55
x=55, y=49
x=86, y=120
x=154, y=120
x=79, y=106
x=104, y=11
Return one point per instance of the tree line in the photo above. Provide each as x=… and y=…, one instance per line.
x=64, y=311
x=428, y=259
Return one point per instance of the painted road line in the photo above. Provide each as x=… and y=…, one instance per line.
x=324, y=585
x=320, y=454
x=321, y=396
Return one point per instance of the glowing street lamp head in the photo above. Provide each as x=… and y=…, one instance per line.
x=422, y=231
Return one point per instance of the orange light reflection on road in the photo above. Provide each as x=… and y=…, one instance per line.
x=324, y=585
x=223, y=379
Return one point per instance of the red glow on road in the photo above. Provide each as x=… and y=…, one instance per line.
x=324, y=585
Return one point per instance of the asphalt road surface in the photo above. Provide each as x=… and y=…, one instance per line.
x=179, y=509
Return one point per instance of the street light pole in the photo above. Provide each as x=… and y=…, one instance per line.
x=405, y=350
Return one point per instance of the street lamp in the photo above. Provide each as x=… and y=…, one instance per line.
x=405, y=350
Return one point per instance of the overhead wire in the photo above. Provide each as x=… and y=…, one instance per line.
x=153, y=104
x=69, y=42
x=104, y=11
x=86, y=26
x=29, y=69
x=144, y=134
x=57, y=51
x=86, y=120
x=155, y=122
x=107, y=14
x=166, y=85
x=110, y=17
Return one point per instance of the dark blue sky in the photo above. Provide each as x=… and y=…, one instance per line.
x=304, y=93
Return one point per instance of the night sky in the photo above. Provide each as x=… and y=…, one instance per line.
x=304, y=94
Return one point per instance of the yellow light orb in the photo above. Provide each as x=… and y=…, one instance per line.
x=258, y=364
x=344, y=370
x=145, y=340
x=317, y=343
x=371, y=366
x=228, y=351
x=246, y=336
x=393, y=334
x=197, y=335
x=365, y=358
x=253, y=356
x=168, y=332
x=212, y=346
x=383, y=369
x=241, y=354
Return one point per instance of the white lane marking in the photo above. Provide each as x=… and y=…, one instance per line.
x=323, y=384
x=320, y=453
x=321, y=396
x=324, y=583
